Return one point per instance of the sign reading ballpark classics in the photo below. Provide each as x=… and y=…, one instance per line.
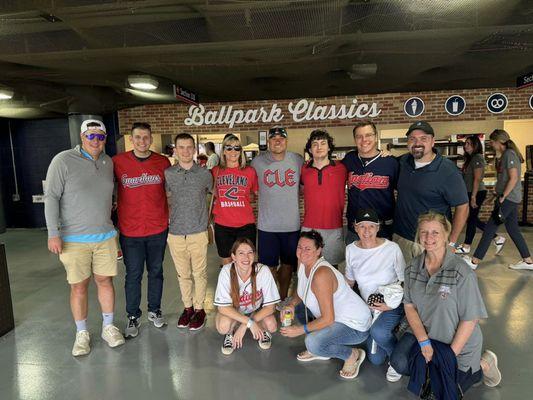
x=300, y=111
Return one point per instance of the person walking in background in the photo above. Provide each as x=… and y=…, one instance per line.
x=77, y=208
x=323, y=181
x=140, y=179
x=508, y=192
x=212, y=156
x=473, y=173
x=234, y=183
x=187, y=185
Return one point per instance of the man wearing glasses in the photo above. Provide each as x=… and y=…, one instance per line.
x=278, y=173
x=78, y=200
x=143, y=223
x=371, y=180
x=427, y=182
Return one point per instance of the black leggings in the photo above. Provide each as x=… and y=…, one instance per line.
x=509, y=211
x=473, y=221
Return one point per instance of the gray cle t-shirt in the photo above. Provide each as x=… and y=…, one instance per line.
x=279, y=183
x=509, y=160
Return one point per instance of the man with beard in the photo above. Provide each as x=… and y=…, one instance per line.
x=427, y=182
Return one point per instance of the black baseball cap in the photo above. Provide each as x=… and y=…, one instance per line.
x=421, y=125
x=277, y=130
x=366, y=214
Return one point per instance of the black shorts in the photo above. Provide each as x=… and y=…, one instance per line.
x=276, y=247
x=225, y=236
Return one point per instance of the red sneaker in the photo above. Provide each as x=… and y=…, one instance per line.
x=197, y=320
x=185, y=318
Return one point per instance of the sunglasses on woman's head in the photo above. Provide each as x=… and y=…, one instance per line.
x=100, y=136
x=235, y=148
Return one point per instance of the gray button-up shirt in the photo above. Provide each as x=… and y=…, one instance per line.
x=187, y=190
x=443, y=300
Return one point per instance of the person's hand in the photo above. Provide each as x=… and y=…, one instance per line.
x=238, y=335
x=55, y=245
x=427, y=352
x=287, y=308
x=292, y=331
x=473, y=202
x=380, y=307
x=385, y=153
x=114, y=206
x=256, y=331
x=501, y=199
x=455, y=350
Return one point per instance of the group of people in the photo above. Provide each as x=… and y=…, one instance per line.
x=399, y=256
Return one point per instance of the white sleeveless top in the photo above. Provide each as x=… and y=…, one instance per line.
x=349, y=308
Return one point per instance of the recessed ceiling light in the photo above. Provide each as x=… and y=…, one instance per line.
x=6, y=94
x=143, y=82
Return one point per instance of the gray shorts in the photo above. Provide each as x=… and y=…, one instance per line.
x=334, y=248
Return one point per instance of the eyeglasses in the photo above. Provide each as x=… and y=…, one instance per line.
x=234, y=148
x=367, y=136
x=100, y=136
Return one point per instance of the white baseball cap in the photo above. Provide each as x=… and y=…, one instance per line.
x=96, y=125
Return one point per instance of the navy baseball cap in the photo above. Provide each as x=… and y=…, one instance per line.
x=277, y=130
x=421, y=125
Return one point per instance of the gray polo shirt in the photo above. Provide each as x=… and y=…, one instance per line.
x=187, y=190
x=476, y=162
x=443, y=300
x=509, y=160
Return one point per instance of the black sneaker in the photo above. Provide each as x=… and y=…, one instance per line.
x=227, y=346
x=132, y=328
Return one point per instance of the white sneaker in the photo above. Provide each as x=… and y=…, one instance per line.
x=392, y=375
x=112, y=335
x=521, y=265
x=468, y=260
x=499, y=241
x=462, y=249
x=81, y=344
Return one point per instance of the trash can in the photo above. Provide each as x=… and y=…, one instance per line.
x=7, y=322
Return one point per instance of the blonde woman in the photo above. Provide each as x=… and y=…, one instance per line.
x=234, y=183
x=443, y=306
x=508, y=191
x=246, y=295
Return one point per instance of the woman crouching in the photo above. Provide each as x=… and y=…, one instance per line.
x=246, y=295
x=341, y=317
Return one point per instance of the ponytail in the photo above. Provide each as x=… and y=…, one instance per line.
x=254, y=283
x=235, y=297
x=500, y=135
x=512, y=145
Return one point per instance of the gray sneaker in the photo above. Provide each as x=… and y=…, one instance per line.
x=157, y=318
x=132, y=328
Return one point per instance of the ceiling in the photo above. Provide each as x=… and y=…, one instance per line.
x=65, y=56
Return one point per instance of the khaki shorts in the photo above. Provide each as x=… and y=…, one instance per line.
x=81, y=260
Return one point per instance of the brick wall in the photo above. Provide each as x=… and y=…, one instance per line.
x=168, y=118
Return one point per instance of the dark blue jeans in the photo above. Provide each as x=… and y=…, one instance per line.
x=381, y=332
x=400, y=362
x=137, y=251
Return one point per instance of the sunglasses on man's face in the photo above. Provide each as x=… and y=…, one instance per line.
x=100, y=136
x=234, y=148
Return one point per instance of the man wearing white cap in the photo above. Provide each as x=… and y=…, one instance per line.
x=78, y=199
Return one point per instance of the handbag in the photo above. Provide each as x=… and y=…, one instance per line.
x=496, y=214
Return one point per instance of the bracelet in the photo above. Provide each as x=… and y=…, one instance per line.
x=425, y=343
x=249, y=323
x=306, y=330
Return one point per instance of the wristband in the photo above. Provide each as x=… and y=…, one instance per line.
x=249, y=323
x=425, y=343
x=306, y=330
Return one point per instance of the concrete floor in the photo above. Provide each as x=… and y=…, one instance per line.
x=35, y=359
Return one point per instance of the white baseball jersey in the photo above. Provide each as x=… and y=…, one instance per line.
x=266, y=290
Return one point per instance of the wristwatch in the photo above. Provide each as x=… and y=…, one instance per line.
x=249, y=323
